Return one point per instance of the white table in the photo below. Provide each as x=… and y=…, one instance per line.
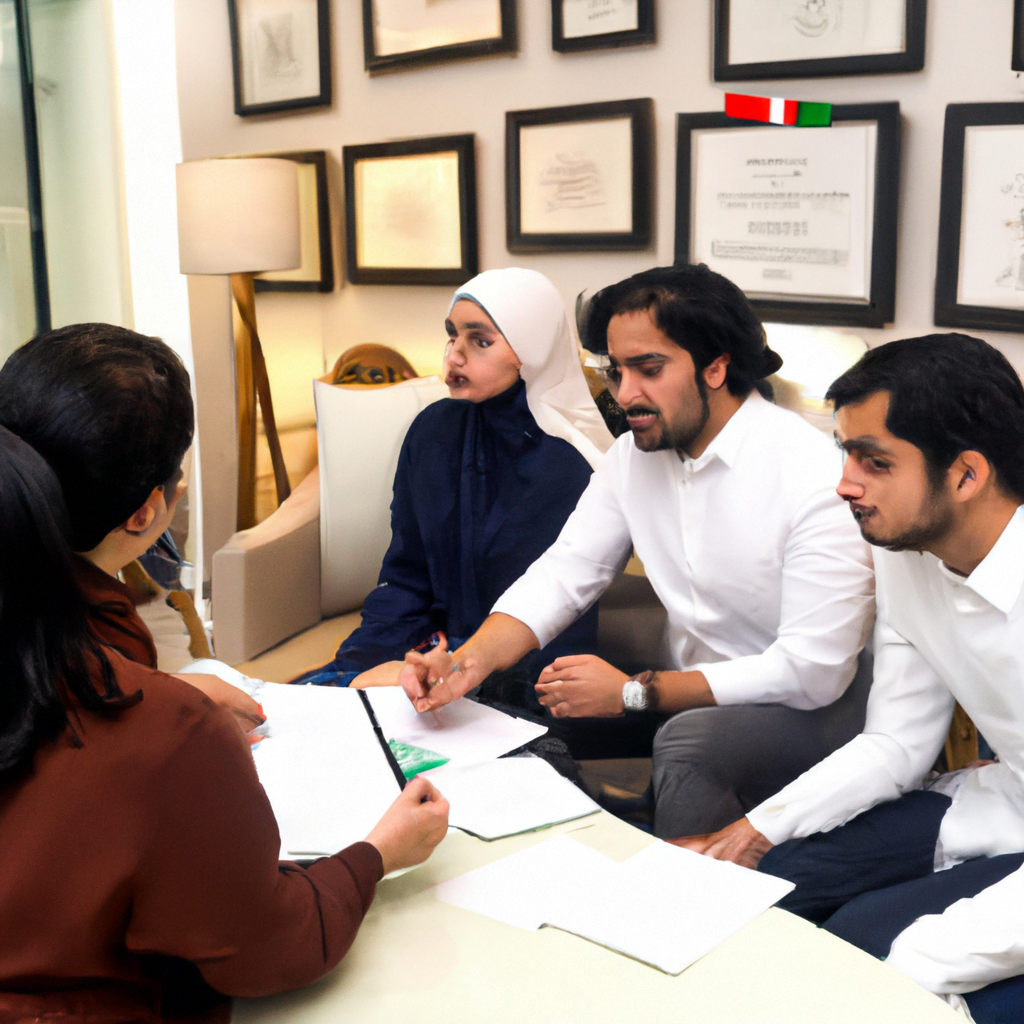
x=421, y=961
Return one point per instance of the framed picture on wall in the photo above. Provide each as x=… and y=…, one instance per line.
x=816, y=38
x=595, y=24
x=979, y=279
x=280, y=54
x=579, y=177
x=802, y=219
x=410, y=211
x=408, y=33
x=316, y=271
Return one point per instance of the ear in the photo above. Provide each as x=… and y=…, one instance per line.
x=715, y=372
x=142, y=518
x=968, y=475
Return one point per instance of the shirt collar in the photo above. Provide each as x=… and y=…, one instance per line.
x=725, y=445
x=999, y=576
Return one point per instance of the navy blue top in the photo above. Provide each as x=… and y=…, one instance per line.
x=480, y=493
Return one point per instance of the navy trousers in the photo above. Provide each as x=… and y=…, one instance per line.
x=871, y=878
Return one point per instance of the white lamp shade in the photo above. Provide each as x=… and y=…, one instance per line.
x=238, y=216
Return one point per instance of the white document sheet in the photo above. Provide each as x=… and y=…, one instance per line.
x=511, y=795
x=664, y=906
x=321, y=764
x=464, y=731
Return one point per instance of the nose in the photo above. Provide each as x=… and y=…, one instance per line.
x=850, y=487
x=455, y=351
x=628, y=391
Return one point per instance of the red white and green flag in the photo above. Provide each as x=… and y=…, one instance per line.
x=775, y=110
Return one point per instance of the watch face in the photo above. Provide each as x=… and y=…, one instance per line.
x=634, y=696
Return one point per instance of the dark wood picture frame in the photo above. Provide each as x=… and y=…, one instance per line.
x=911, y=58
x=324, y=280
x=643, y=33
x=641, y=114
x=375, y=63
x=881, y=307
x=1017, y=51
x=320, y=99
x=949, y=311
x=465, y=147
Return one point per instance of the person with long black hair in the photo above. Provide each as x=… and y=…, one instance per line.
x=140, y=853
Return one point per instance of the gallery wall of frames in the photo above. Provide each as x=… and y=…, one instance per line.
x=587, y=139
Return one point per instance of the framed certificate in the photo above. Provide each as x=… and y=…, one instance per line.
x=816, y=38
x=802, y=219
x=316, y=271
x=1017, y=53
x=280, y=54
x=410, y=211
x=595, y=24
x=979, y=279
x=408, y=33
x=579, y=177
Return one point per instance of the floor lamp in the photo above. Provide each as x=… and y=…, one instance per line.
x=241, y=217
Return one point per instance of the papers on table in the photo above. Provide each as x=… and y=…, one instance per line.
x=508, y=796
x=465, y=732
x=665, y=906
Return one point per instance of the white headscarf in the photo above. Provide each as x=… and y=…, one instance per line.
x=526, y=307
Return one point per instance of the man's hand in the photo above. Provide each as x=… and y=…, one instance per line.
x=385, y=674
x=411, y=827
x=434, y=679
x=224, y=695
x=739, y=842
x=582, y=686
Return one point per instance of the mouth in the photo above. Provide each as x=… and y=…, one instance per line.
x=641, y=419
x=455, y=380
x=861, y=512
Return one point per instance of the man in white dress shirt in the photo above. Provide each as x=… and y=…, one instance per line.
x=931, y=877
x=729, y=502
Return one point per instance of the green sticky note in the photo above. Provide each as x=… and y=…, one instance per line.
x=814, y=115
x=413, y=760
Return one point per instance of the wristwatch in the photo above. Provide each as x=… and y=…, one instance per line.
x=638, y=693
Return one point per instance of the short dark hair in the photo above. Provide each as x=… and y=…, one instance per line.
x=701, y=311
x=110, y=411
x=948, y=393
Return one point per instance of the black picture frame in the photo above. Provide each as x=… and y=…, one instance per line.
x=375, y=63
x=1017, y=50
x=641, y=114
x=949, y=311
x=881, y=307
x=643, y=33
x=465, y=148
x=246, y=107
x=318, y=277
x=910, y=59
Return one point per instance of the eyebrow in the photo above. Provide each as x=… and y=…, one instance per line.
x=648, y=357
x=865, y=444
x=471, y=325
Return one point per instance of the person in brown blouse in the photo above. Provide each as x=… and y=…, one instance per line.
x=140, y=854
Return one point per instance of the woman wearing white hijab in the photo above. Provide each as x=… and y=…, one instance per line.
x=485, y=482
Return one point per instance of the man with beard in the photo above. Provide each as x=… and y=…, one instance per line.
x=729, y=503
x=928, y=877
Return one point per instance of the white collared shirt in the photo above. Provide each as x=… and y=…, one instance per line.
x=940, y=638
x=766, y=580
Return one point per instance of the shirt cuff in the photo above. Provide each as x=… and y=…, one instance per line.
x=732, y=682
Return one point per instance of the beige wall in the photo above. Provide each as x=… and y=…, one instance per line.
x=968, y=59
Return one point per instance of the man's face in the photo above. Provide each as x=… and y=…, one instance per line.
x=886, y=483
x=655, y=382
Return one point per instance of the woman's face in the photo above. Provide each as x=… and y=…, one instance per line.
x=478, y=362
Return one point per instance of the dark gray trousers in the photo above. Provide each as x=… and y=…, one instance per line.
x=712, y=765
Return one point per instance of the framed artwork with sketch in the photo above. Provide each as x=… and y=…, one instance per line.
x=579, y=177
x=598, y=24
x=979, y=278
x=410, y=211
x=817, y=38
x=280, y=54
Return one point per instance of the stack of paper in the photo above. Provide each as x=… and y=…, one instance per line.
x=465, y=732
x=665, y=906
x=508, y=796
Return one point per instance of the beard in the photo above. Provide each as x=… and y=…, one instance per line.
x=933, y=523
x=678, y=436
